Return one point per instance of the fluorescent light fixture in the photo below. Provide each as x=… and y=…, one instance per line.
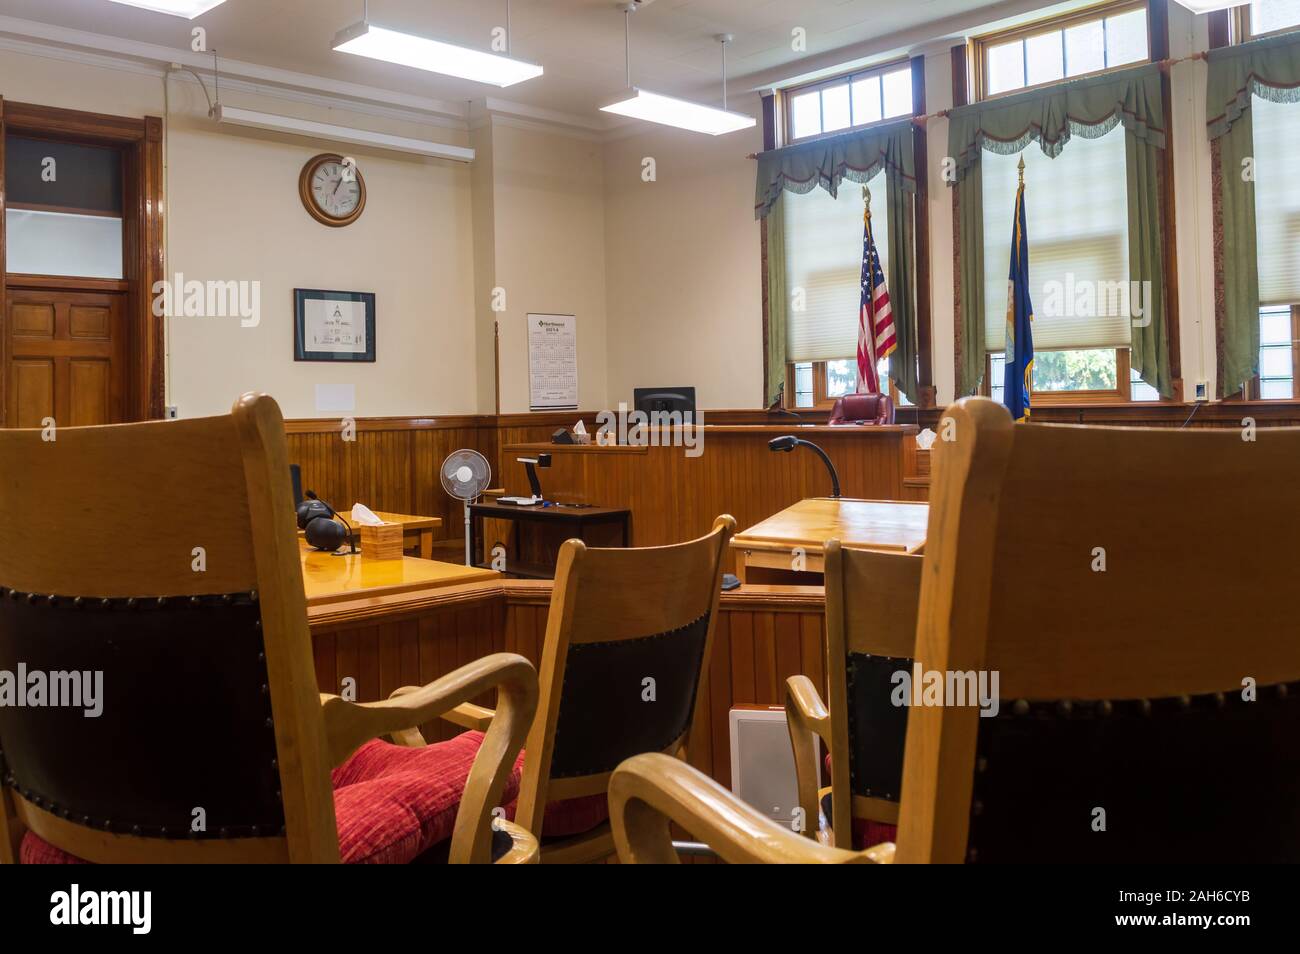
x=329, y=132
x=1209, y=6
x=405, y=49
x=682, y=113
x=177, y=8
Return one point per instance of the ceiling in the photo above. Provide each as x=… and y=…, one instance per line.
x=579, y=42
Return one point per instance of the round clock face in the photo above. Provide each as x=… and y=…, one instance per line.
x=333, y=190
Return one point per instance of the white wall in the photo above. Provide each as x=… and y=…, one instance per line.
x=548, y=215
x=683, y=254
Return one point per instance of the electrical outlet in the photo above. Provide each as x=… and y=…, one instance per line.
x=173, y=412
x=1202, y=390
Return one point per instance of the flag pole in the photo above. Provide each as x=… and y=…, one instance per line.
x=871, y=284
x=1021, y=168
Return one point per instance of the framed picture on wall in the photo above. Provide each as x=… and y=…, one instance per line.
x=333, y=325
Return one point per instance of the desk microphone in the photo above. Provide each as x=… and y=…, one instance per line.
x=790, y=442
x=324, y=534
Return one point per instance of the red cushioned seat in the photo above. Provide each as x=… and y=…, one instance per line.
x=393, y=803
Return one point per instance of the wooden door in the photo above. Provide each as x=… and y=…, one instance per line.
x=65, y=356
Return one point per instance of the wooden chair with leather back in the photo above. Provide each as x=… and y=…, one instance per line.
x=156, y=567
x=649, y=793
x=1128, y=588
x=871, y=609
x=625, y=656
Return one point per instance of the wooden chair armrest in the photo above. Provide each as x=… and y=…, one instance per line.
x=349, y=724
x=467, y=715
x=806, y=716
x=649, y=792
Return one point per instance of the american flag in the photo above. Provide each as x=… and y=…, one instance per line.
x=876, y=338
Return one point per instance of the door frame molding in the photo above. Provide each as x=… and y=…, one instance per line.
x=141, y=141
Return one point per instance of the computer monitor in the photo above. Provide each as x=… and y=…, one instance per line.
x=295, y=475
x=666, y=400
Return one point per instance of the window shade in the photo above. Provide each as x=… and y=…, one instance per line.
x=823, y=243
x=1076, y=210
x=1277, y=200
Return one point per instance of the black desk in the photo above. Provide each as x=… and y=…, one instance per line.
x=572, y=519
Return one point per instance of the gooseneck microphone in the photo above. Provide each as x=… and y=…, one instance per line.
x=323, y=533
x=789, y=442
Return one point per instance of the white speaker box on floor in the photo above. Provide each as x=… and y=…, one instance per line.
x=762, y=762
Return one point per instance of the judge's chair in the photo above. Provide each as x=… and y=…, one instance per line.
x=871, y=606
x=1148, y=691
x=155, y=568
x=623, y=665
x=862, y=409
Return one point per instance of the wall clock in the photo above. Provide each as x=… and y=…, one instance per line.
x=332, y=189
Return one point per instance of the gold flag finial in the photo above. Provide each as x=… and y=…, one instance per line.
x=866, y=200
x=1021, y=168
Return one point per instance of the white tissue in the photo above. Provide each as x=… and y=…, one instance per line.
x=925, y=439
x=363, y=516
x=580, y=428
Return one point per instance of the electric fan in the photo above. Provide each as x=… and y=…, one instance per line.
x=465, y=475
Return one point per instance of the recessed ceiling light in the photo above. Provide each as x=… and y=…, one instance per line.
x=422, y=53
x=1208, y=6
x=682, y=113
x=177, y=8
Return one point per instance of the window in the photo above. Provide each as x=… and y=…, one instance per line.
x=1087, y=375
x=819, y=383
x=1063, y=48
x=1076, y=217
x=1269, y=16
x=1279, y=349
x=847, y=102
x=64, y=209
x=823, y=242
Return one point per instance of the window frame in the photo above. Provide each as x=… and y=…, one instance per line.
x=979, y=45
x=841, y=79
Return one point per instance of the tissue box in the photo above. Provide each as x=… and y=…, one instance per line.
x=383, y=542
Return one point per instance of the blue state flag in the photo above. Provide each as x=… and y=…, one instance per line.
x=1018, y=372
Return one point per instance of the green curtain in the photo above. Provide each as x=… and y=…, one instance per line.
x=777, y=304
x=1089, y=108
x=1270, y=69
x=1149, y=341
x=901, y=205
x=826, y=163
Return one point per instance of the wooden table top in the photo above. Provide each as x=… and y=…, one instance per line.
x=862, y=524
x=328, y=578
x=409, y=522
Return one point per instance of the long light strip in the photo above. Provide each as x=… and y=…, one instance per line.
x=669, y=110
x=333, y=133
x=406, y=49
x=682, y=113
x=189, y=9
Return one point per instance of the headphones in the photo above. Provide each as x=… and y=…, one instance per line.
x=315, y=517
